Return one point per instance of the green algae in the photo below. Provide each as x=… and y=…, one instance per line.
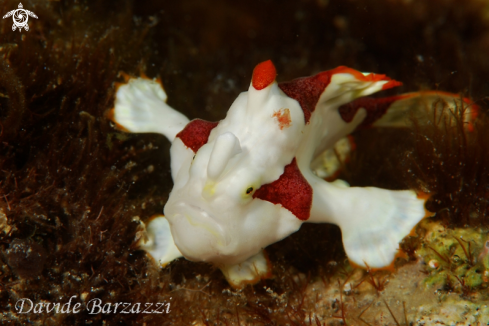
x=455, y=259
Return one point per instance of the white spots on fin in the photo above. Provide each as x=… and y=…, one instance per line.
x=225, y=147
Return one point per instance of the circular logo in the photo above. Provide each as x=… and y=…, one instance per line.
x=20, y=18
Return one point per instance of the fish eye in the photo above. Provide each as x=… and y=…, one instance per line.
x=249, y=190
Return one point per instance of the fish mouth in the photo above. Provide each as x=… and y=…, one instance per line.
x=196, y=233
x=197, y=215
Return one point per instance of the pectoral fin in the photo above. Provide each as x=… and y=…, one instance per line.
x=159, y=242
x=372, y=220
x=140, y=107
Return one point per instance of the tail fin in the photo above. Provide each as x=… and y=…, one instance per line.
x=329, y=163
x=396, y=111
x=140, y=107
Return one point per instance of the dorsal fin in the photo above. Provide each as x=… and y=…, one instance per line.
x=225, y=147
x=308, y=90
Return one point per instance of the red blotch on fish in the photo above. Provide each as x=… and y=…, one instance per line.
x=291, y=190
x=196, y=133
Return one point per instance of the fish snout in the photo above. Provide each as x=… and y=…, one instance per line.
x=197, y=234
